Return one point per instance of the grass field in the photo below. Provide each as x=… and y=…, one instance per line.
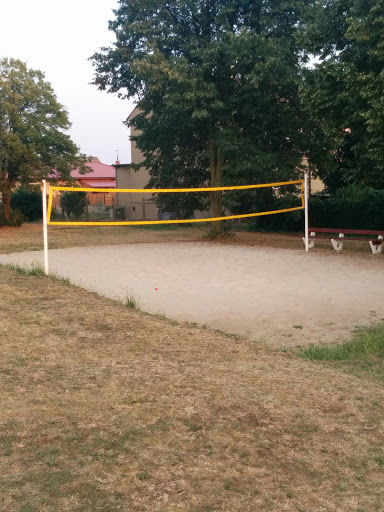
x=106, y=408
x=29, y=237
x=362, y=355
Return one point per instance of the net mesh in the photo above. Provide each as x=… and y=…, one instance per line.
x=105, y=206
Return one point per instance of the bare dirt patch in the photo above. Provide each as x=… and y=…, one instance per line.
x=103, y=408
x=259, y=285
x=282, y=297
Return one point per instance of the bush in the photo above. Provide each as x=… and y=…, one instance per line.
x=351, y=207
x=74, y=203
x=28, y=202
x=290, y=221
x=15, y=219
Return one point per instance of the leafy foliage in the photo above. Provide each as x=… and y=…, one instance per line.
x=28, y=202
x=33, y=144
x=350, y=208
x=14, y=219
x=290, y=221
x=74, y=203
x=217, y=87
x=344, y=92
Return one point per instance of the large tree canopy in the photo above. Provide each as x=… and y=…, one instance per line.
x=345, y=90
x=32, y=125
x=217, y=87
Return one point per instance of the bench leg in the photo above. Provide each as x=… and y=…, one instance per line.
x=376, y=248
x=337, y=244
x=311, y=242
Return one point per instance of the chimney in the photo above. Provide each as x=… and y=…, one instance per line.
x=117, y=160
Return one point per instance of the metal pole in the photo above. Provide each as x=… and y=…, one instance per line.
x=306, y=210
x=45, y=227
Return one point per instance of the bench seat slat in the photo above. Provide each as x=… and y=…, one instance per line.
x=347, y=231
x=343, y=239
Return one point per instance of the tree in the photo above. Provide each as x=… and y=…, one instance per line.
x=217, y=86
x=345, y=90
x=33, y=144
x=28, y=202
x=74, y=203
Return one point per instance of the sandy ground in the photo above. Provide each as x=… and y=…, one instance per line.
x=282, y=297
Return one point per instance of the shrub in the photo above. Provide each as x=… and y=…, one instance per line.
x=15, y=219
x=351, y=207
x=290, y=221
x=74, y=203
x=28, y=202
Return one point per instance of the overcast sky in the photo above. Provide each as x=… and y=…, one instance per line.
x=57, y=38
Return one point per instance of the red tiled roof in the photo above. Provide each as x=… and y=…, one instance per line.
x=98, y=183
x=99, y=170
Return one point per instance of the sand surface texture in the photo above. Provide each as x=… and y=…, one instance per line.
x=282, y=297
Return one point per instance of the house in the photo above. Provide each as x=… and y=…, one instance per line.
x=135, y=206
x=101, y=176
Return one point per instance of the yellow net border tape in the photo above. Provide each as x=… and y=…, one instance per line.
x=165, y=190
x=178, y=221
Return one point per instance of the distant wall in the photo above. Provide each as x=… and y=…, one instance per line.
x=136, y=155
x=317, y=185
x=136, y=206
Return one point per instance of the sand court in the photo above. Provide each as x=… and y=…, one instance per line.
x=282, y=297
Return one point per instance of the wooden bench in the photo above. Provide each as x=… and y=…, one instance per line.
x=356, y=234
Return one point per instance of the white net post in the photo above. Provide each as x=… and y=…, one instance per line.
x=306, y=210
x=45, y=227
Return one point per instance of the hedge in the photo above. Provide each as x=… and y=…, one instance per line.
x=349, y=208
x=365, y=212
x=28, y=202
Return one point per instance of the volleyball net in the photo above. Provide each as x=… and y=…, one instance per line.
x=80, y=206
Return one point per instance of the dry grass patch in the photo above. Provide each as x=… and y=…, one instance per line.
x=29, y=237
x=105, y=408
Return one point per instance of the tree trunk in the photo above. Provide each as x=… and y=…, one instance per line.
x=216, y=162
x=6, y=192
x=7, y=207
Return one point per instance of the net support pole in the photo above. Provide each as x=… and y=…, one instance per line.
x=306, y=210
x=45, y=227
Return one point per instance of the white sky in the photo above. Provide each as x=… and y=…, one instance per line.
x=57, y=38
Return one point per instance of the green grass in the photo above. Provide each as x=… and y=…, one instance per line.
x=131, y=302
x=34, y=270
x=142, y=475
x=64, y=280
x=363, y=354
